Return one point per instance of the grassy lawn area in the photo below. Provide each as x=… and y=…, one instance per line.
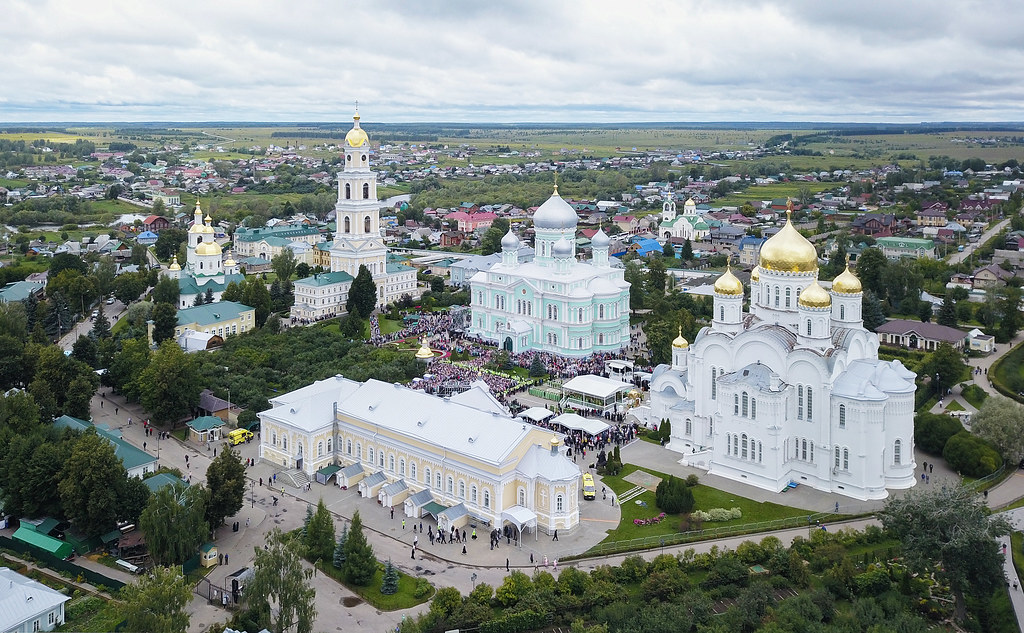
x=955, y=406
x=770, y=192
x=705, y=497
x=1017, y=547
x=404, y=599
x=975, y=395
x=90, y=614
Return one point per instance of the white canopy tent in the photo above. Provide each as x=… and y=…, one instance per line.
x=537, y=414
x=579, y=423
x=521, y=517
x=594, y=393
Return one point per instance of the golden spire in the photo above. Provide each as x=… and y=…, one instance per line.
x=789, y=205
x=355, y=117
x=556, y=183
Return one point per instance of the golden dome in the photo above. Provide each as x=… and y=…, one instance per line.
x=174, y=264
x=788, y=251
x=356, y=137
x=230, y=261
x=680, y=342
x=208, y=248
x=814, y=296
x=756, y=275
x=847, y=283
x=207, y=219
x=728, y=284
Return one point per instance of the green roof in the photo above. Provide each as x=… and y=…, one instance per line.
x=129, y=455
x=188, y=286
x=45, y=525
x=54, y=546
x=18, y=291
x=255, y=235
x=205, y=423
x=207, y=547
x=397, y=268
x=325, y=279
x=434, y=508
x=210, y=313
x=329, y=470
x=162, y=480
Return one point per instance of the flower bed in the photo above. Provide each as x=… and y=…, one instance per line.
x=651, y=521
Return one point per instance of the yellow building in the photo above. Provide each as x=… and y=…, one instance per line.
x=322, y=255
x=458, y=459
x=219, y=319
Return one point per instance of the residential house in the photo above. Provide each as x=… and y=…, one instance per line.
x=452, y=238
x=627, y=223
x=918, y=335
x=981, y=342
x=991, y=276
x=136, y=461
x=156, y=223
x=469, y=222
x=874, y=224
x=931, y=217
x=900, y=247
x=27, y=605
x=21, y=290
x=750, y=250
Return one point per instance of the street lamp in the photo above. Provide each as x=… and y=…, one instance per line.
x=252, y=490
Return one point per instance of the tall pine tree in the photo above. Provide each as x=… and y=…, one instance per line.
x=360, y=565
x=339, y=550
x=362, y=294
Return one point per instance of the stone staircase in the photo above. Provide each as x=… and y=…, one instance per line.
x=631, y=494
x=293, y=477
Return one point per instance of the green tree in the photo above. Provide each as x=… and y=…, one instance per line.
x=656, y=277
x=1000, y=422
x=85, y=350
x=92, y=480
x=101, y=326
x=686, y=254
x=78, y=396
x=58, y=319
x=1010, y=317
x=167, y=291
x=537, y=368
x=174, y=523
x=103, y=276
x=871, y=266
x=948, y=530
x=233, y=292
x=158, y=602
x=320, y=534
x=170, y=384
x=947, y=314
x=673, y=496
x=362, y=294
x=339, y=550
x=946, y=366
x=127, y=367
x=165, y=320
x=225, y=479
x=668, y=251
x=360, y=564
x=129, y=287
x=256, y=296
x=168, y=242
x=491, y=241
x=871, y=311
x=280, y=581
x=284, y=264
x=389, y=583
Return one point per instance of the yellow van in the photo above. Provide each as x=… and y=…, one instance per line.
x=589, y=491
x=238, y=436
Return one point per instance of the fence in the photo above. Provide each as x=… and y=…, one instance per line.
x=94, y=578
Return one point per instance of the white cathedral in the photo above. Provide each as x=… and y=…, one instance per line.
x=357, y=241
x=791, y=392
x=205, y=269
x=688, y=226
x=554, y=303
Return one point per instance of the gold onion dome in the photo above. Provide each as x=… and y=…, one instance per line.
x=680, y=342
x=756, y=275
x=788, y=251
x=728, y=284
x=847, y=283
x=356, y=137
x=424, y=351
x=230, y=261
x=814, y=296
x=208, y=248
x=174, y=264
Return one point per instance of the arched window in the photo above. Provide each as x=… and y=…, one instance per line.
x=348, y=225
x=897, y=452
x=391, y=463
x=837, y=458
x=580, y=319
x=364, y=158
x=348, y=447
x=735, y=444
x=274, y=438
x=803, y=452
x=320, y=449
x=842, y=416
x=776, y=296
x=348, y=157
x=366, y=224
x=555, y=313
x=728, y=444
x=487, y=498
x=753, y=408
x=380, y=458
x=689, y=426
x=735, y=404
x=284, y=442
x=521, y=497
x=810, y=404
x=808, y=327
x=366, y=191
x=401, y=468
x=472, y=495
x=842, y=312
x=330, y=444
x=721, y=313
x=426, y=476
x=600, y=311
x=437, y=481
x=462, y=489
x=746, y=403
x=359, y=451
x=846, y=458
x=743, y=446
x=451, y=485
x=799, y=402
x=559, y=503
x=348, y=191
x=760, y=454
x=714, y=384
x=412, y=471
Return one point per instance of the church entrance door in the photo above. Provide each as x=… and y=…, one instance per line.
x=507, y=346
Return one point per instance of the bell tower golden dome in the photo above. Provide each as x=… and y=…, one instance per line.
x=847, y=283
x=728, y=284
x=788, y=251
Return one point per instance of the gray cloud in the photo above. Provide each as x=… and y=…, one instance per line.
x=465, y=60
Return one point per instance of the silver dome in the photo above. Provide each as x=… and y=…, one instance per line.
x=600, y=239
x=562, y=249
x=555, y=213
x=510, y=241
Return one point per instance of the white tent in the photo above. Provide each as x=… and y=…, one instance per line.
x=521, y=517
x=536, y=414
x=580, y=423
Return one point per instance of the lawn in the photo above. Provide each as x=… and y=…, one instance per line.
x=404, y=599
x=90, y=614
x=770, y=192
x=975, y=395
x=705, y=497
x=955, y=406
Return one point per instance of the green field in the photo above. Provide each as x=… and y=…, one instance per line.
x=770, y=192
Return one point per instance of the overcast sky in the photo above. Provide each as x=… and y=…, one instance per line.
x=505, y=61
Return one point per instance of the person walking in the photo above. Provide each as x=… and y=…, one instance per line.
x=463, y=550
x=403, y=524
x=555, y=537
x=507, y=565
x=392, y=513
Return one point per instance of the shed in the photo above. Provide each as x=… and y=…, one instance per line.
x=455, y=516
x=50, y=545
x=415, y=503
x=350, y=475
x=324, y=474
x=208, y=555
x=393, y=493
x=369, y=486
x=205, y=429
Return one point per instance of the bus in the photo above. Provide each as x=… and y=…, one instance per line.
x=589, y=491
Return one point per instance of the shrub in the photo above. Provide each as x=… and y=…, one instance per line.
x=673, y=497
x=717, y=514
x=422, y=589
x=932, y=431
x=692, y=480
x=970, y=455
